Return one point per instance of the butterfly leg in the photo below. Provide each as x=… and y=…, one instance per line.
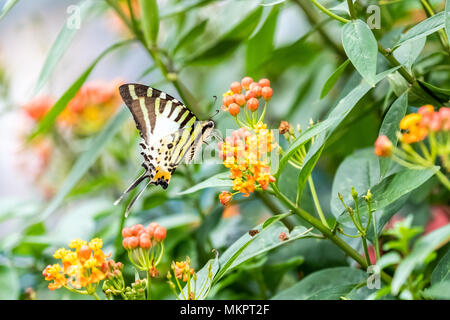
x=131, y=187
x=136, y=198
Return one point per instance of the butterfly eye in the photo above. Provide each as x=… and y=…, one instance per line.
x=210, y=124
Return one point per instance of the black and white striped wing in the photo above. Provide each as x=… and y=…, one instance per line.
x=169, y=131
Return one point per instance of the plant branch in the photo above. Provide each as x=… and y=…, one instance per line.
x=327, y=232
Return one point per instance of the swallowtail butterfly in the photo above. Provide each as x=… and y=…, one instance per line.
x=170, y=133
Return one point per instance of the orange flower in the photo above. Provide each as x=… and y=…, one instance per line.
x=91, y=107
x=38, y=107
x=182, y=269
x=414, y=131
x=80, y=268
x=245, y=153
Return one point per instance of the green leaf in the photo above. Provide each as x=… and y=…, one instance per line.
x=447, y=18
x=6, y=7
x=408, y=52
x=422, y=248
x=340, y=112
x=361, y=48
x=149, y=20
x=305, y=173
x=333, y=79
x=86, y=160
x=442, y=270
x=275, y=218
x=304, y=137
x=442, y=93
x=439, y=290
x=359, y=170
x=49, y=119
x=228, y=42
x=9, y=282
x=387, y=192
x=391, y=125
x=190, y=36
x=327, y=284
x=88, y=9
x=389, y=259
x=260, y=46
x=423, y=29
x=248, y=247
x=182, y=7
x=218, y=180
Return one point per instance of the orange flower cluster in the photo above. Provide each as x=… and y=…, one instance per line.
x=236, y=98
x=91, y=107
x=182, y=269
x=246, y=155
x=81, y=267
x=142, y=245
x=416, y=126
x=138, y=236
x=86, y=113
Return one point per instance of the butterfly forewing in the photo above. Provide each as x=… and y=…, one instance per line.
x=170, y=132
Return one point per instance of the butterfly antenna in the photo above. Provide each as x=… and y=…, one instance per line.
x=131, y=187
x=127, y=212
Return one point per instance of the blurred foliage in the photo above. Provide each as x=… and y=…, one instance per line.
x=353, y=81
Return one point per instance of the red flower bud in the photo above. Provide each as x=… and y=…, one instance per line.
x=249, y=94
x=144, y=241
x=151, y=228
x=125, y=243
x=246, y=82
x=133, y=242
x=227, y=100
x=267, y=93
x=383, y=146
x=234, y=109
x=126, y=232
x=253, y=104
x=160, y=233
x=85, y=252
x=239, y=99
x=236, y=87
x=264, y=82
x=225, y=198
x=136, y=228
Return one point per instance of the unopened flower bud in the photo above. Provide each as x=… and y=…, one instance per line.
x=383, y=146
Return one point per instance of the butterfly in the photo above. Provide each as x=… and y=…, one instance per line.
x=170, y=132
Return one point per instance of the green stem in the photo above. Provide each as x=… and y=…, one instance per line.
x=96, y=296
x=366, y=250
x=149, y=278
x=442, y=35
x=376, y=242
x=326, y=232
x=351, y=9
x=328, y=12
x=316, y=202
x=445, y=181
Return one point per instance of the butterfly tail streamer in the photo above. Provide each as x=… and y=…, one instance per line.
x=131, y=187
x=127, y=212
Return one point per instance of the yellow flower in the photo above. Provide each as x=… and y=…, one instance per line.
x=78, y=269
x=414, y=131
x=77, y=244
x=96, y=244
